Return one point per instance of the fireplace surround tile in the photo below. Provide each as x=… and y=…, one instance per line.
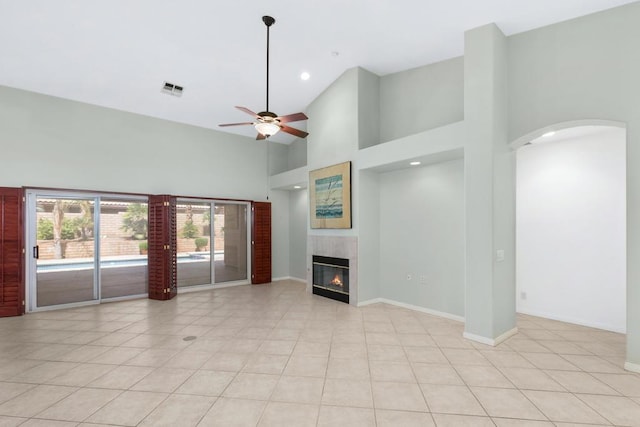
x=336, y=247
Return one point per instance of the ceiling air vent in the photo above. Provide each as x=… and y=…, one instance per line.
x=172, y=89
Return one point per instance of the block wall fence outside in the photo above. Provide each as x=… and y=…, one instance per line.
x=116, y=241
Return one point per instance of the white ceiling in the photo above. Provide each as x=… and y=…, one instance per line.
x=118, y=53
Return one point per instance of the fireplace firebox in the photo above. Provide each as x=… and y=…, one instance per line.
x=331, y=277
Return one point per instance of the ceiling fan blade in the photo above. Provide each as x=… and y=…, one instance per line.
x=260, y=136
x=293, y=118
x=249, y=112
x=293, y=131
x=235, y=124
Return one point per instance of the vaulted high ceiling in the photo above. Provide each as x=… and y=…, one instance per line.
x=118, y=53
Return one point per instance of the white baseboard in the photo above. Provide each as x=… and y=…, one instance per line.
x=568, y=319
x=491, y=341
x=421, y=309
x=369, y=302
x=198, y=288
x=230, y=285
x=478, y=338
x=502, y=338
x=295, y=279
x=632, y=367
x=125, y=298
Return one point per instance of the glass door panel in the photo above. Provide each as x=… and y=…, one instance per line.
x=194, y=243
x=123, y=247
x=64, y=251
x=230, y=243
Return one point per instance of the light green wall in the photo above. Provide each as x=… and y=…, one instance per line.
x=368, y=108
x=297, y=154
x=278, y=157
x=280, y=233
x=422, y=234
x=422, y=98
x=60, y=143
x=369, y=239
x=333, y=127
x=586, y=68
x=298, y=220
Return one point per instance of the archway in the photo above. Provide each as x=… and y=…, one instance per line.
x=571, y=223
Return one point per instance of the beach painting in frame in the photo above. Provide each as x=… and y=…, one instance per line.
x=330, y=196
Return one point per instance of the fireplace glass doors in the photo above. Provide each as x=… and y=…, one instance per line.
x=331, y=277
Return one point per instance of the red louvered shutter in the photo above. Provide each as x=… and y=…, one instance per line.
x=172, y=238
x=11, y=255
x=260, y=242
x=163, y=283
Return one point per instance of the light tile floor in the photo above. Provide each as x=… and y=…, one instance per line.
x=273, y=355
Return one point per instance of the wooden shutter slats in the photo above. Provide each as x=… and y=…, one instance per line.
x=261, y=242
x=162, y=243
x=11, y=256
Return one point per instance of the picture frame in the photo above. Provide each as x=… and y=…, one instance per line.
x=330, y=196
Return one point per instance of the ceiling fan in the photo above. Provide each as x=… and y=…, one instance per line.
x=267, y=123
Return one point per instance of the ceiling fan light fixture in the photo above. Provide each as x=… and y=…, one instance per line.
x=267, y=128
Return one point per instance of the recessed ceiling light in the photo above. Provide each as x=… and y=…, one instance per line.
x=297, y=187
x=548, y=134
x=305, y=76
x=414, y=163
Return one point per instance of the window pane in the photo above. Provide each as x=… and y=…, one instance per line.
x=194, y=243
x=230, y=245
x=123, y=247
x=65, y=241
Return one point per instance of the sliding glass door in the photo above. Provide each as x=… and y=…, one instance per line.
x=64, y=250
x=213, y=243
x=123, y=247
x=84, y=248
x=194, y=243
x=231, y=248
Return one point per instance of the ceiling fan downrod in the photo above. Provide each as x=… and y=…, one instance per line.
x=267, y=123
x=268, y=21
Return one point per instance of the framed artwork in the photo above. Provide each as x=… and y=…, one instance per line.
x=330, y=196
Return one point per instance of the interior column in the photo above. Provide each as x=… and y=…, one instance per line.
x=633, y=246
x=489, y=190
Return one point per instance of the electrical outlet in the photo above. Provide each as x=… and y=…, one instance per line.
x=423, y=280
x=523, y=295
x=409, y=277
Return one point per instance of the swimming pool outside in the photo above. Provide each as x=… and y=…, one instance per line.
x=116, y=262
